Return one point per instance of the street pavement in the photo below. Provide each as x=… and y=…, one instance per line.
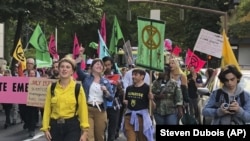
x=17, y=133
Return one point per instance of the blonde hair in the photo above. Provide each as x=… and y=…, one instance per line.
x=177, y=64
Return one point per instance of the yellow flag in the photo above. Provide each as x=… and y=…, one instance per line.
x=18, y=54
x=228, y=57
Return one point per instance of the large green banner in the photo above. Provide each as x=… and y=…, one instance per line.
x=150, y=44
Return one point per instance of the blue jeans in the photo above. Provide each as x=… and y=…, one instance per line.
x=171, y=119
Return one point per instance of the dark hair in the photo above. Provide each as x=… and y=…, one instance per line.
x=139, y=71
x=229, y=69
x=55, y=62
x=108, y=58
x=95, y=61
x=35, y=70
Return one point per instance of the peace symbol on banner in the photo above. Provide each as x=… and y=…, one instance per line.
x=150, y=32
x=19, y=53
x=193, y=61
x=41, y=42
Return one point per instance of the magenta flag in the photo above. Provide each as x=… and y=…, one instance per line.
x=76, y=47
x=192, y=60
x=102, y=31
x=176, y=51
x=52, y=47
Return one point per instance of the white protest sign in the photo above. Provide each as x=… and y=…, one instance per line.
x=209, y=43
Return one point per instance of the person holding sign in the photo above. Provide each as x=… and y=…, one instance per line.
x=65, y=116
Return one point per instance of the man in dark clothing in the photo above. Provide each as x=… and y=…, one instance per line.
x=113, y=109
x=194, y=81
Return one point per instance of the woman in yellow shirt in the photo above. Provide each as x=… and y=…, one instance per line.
x=62, y=120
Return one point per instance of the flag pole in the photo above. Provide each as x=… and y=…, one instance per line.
x=56, y=39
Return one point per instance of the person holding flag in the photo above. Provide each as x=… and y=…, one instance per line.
x=114, y=107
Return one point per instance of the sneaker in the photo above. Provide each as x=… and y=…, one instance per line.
x=14, y=122
x=6, y=126
x=31, y=133
x=25, y=126
x=116, y=135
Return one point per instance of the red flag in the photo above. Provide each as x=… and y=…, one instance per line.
x=52, y=47
x=76, y=47
x=193, y=60
x=102, y=31
x=113, y=79
x=176, y=51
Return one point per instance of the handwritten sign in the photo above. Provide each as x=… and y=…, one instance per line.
x=209, y=43
x=37, y=91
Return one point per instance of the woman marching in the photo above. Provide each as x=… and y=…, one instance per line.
x=65, y=116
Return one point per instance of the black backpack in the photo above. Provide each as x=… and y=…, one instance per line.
x=220, y=92
x=77, y=90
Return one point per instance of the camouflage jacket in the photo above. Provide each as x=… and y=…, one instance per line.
x=172, y=98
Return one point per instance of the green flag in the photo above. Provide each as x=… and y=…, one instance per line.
x=39, y=42
x=93, y=45
x=116, y=36
x=150, y=44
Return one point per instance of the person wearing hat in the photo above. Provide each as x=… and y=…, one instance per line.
x=65, y=117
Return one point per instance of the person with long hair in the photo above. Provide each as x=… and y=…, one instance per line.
x=209, y=73
x=177, y=74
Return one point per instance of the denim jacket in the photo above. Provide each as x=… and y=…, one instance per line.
x=87, y=79
x=219, y=118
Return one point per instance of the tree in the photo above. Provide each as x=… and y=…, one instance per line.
x=54, y=13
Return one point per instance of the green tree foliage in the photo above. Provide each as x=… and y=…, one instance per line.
x=240, y=20
x=68, y=16
x=56, y=12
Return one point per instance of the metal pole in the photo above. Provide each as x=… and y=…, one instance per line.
x=56, y=39
x=222, y=13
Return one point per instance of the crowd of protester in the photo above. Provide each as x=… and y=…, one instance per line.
x=107, y=106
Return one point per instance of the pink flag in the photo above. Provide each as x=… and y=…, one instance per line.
x=76, y=47
x=193, y=60
x=52, y=47
x=168, y=44
x=102, y=31
x=176, y=51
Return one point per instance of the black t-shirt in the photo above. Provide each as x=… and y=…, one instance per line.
x=192, y=89
x=137, y=97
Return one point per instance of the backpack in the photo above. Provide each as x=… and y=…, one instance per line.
x=77, y=90
x=220, y=92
